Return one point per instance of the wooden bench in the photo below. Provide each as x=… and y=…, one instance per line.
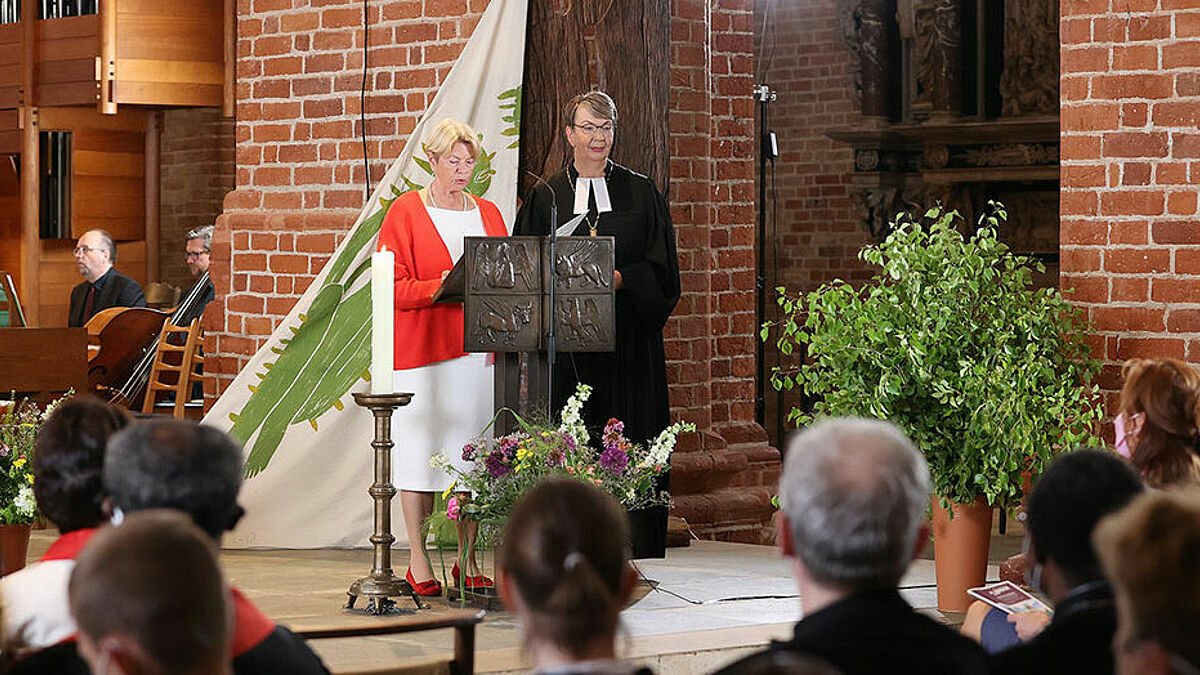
x=463, y=621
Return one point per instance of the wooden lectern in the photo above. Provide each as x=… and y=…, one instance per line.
x=505, y=285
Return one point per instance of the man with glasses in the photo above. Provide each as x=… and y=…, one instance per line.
x=103, y=286
x=629, y=383
x=198, y=248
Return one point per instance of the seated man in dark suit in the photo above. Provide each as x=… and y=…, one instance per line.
x=103, y=286
x=1076, y=491
x=853, y=495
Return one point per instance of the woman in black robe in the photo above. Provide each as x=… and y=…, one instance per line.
x=629, y=383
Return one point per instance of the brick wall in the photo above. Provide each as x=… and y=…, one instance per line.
x=299, y=170
x=1130, y=163
x=803, y=59
x=196, y=155
x=299, y=184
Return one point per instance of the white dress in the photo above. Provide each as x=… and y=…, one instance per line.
x=452, y=400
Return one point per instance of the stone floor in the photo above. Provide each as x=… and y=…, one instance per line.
x=704, y=605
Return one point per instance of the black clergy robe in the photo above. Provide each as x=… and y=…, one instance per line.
x=629, y=383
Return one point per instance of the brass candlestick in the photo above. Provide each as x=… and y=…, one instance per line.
x=382, y=584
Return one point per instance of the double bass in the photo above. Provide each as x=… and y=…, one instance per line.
x=128, y=342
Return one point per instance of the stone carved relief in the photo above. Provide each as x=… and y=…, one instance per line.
x=863, y=26
x=937, y=28
x=1029, y=83
x=501, y=320
x=1013, y=154
x=581, y=266
x=505, y=265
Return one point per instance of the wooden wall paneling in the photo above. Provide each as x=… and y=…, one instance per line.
x=151, y=194
x=170, y=53
x=108, y=188
x=10, y=132
x=57, y=274
x=131, y=260
x=10, y=65
x=10, y=219
x=30, y=243
x=66, y=61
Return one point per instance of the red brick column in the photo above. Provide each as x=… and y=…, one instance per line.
x=1130, y=240
x=723, y=483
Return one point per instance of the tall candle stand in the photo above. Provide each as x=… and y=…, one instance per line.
x=382, y=584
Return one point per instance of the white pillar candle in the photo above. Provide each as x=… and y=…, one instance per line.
x=383, y=348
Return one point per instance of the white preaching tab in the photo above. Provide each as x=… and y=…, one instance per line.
x=583, y=190
x=568, y=227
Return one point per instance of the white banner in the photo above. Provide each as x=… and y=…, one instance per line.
x=309, y=460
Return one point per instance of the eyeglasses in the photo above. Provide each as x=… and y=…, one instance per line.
x=86, y=249
x=188, y=255
x=591, y=129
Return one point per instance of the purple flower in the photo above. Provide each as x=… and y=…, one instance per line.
x=495, y=464
x=468, y=453
x=555, y=456
x=3, y=450
x=508, y=446
x=570, y=442
x=614, y=460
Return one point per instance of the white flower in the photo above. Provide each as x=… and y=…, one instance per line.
x=440, y=461
x=660, y=450
x=25, y=503
x=572, y=418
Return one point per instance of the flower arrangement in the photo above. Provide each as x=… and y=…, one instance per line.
x=19, y=425
x=500, y=472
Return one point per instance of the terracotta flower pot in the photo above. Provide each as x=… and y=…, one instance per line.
x=960, y=551
x=14, y=544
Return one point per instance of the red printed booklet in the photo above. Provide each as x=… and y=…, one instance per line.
x=1008, y=598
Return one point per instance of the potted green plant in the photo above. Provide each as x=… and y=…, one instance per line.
x=987, y=374
x=19, y=425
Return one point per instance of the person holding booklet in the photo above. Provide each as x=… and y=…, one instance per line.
x=1077, y=490
x=453, y=393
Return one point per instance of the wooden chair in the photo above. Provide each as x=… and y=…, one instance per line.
x=176, y=362
x=463, y=621
x=11, y=315
x=161, y=295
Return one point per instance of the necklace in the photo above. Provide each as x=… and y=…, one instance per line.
x=433, y=202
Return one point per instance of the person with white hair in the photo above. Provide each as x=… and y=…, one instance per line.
x=853, y=495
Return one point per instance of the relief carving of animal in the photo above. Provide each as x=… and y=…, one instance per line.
x=494, y=323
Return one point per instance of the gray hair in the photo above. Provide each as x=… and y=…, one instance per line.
x=854, y=492
x=106, y=240
x=205, y=233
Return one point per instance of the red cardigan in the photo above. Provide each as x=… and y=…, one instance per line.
x=425, y=333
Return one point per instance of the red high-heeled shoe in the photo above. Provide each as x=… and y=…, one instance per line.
x=480, y=581
x=428, y=589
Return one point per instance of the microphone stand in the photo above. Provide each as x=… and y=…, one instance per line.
x=551, y=334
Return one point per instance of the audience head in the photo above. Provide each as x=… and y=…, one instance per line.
x=148, y=597
x=853, y=496
x=1150, y=552
x=176, y=464
x=68, y=460
x=1067, y=501
x=564, y=567
x=95, y=254
x=197, y=249
x=1160, y=407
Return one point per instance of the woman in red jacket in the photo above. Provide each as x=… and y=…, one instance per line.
x=452, y=390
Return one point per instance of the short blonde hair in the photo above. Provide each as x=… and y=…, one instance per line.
x=1150, y=552
x=447, y=133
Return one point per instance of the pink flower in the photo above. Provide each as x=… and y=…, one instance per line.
x=452, y=508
